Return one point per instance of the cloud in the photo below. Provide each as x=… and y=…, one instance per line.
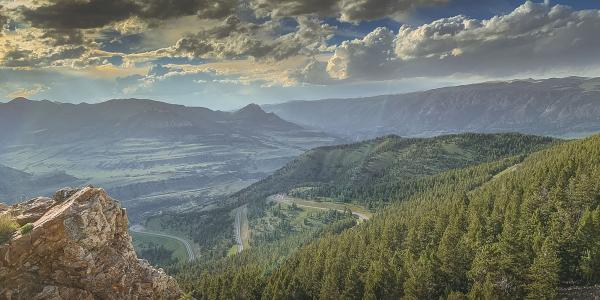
x=363, y=58
x=315, y=72
x=345, y=10
x=535, y=37
x=68, y=14
x=3, y=21
x=234, y=39
x=27, y=92
x=60, y=37
x=25, y=58
x=164, y=9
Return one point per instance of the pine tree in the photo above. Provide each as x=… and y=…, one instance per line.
x=543, y=273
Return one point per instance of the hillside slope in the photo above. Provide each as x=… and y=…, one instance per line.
x=16, y=185
x=381, y=169
x=557, y=107
x=509, y=229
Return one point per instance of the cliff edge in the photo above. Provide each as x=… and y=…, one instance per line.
x=76, y=246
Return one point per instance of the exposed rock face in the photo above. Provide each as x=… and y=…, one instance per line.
x=79, y=248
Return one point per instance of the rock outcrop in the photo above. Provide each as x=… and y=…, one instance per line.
x=79, y=248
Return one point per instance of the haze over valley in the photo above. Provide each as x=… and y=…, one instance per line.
x=292, y=149
x=149, y=154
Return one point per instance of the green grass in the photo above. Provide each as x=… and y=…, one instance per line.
x=233, y=250
x=7, y=227
x=507, y=171
x=330, y=203
x=141, y=239
x=25, y=229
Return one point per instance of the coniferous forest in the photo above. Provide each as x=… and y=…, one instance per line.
x=520, y=227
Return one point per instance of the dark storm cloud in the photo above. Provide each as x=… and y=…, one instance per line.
x=164, y=9
x=65, y=14
x=347, y=10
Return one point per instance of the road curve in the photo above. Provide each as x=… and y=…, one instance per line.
x=188, y=246
x=282, y=198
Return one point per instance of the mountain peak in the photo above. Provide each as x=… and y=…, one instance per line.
x=251, y=108
x=19, y=99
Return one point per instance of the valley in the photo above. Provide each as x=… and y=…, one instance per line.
x=299, y=149
x=152, y=156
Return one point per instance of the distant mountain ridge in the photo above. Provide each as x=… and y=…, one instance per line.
x=151, y=155
x=557, y=107
x=34, y=121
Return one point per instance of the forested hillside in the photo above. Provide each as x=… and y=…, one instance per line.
x=508, y=229
x=385, y=168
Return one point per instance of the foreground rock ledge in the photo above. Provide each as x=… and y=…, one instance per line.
x=79, y=248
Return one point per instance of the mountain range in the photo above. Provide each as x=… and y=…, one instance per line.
x=563, y=107
x=149, y=154
x=25, y=121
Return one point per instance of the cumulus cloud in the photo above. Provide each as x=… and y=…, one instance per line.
x=25, y=58
x=365, y=57
x=345, y=10
x=60, y=37
x=237, y=39
x=289, y=42
x=533, y=37
x=315, y=72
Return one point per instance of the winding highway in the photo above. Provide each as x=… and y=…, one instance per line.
x=188, y=247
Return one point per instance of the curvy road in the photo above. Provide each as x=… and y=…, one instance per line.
x=188, y=246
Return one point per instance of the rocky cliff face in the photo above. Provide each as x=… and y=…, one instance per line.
x=79, y=248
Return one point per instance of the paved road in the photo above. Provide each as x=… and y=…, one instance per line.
x=188, y=246
x=284, y=199
x=238, y=227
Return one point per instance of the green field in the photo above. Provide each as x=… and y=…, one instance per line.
x=330, y=203
x=142, y=240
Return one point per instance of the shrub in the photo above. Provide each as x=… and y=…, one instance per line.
x=26, y=228
x=7, y=227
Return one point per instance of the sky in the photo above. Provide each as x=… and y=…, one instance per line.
x=224, y=54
